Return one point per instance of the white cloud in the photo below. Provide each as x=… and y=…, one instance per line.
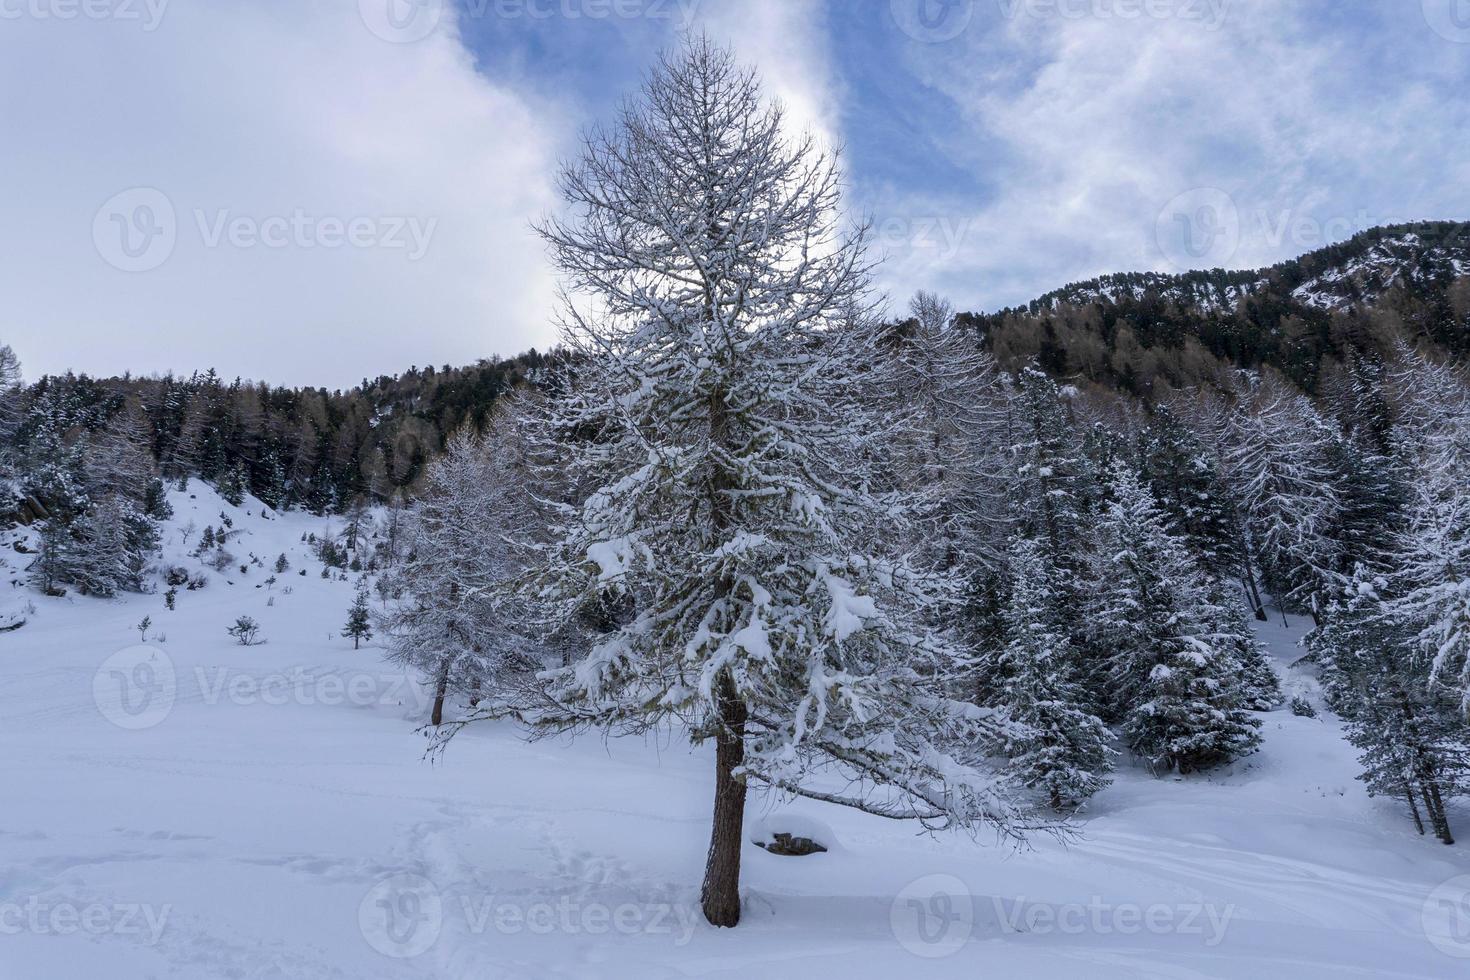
x=284, y=121
x=1092, y=125
x=786, y=40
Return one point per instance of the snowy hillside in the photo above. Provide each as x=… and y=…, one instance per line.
x=1360, y=271
x=195, y=808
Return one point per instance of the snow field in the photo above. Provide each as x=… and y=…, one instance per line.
x=188, y=807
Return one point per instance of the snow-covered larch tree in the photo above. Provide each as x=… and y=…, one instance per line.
x=737, y=533
x=951, y=433
x=1432, y=562
x=1282, y=480
x=467, y=537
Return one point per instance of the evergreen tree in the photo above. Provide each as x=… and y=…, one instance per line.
x=1062, y=748
x=1231, y=634
x=234, y=484
x=359, y=618
x=1186, y=481
x=1175, y=684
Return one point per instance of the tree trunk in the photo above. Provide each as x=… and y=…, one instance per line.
x=1413, y=806
x=1250, y=583
x=438, y=715
x=720, y=896
x=1437, y=817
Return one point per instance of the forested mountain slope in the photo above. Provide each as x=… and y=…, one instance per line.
x=1135, y=331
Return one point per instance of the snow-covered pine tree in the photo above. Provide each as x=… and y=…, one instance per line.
x=58, y=559
x=718, y=392
x=359, y=623
x=107, y=565
x=1053, y=482
x=1186, y=481
x=234, y=484
x=1062, y=750
x=1175, y=686
x=1231, y=634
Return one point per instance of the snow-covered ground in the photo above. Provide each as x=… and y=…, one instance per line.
x=194, y=808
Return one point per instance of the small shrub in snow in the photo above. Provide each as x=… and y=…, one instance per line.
x=245, y=630
x=1302, y=708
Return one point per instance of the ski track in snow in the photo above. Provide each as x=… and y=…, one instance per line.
x=263, y=830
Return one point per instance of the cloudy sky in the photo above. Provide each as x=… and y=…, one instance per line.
x=315, y=191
